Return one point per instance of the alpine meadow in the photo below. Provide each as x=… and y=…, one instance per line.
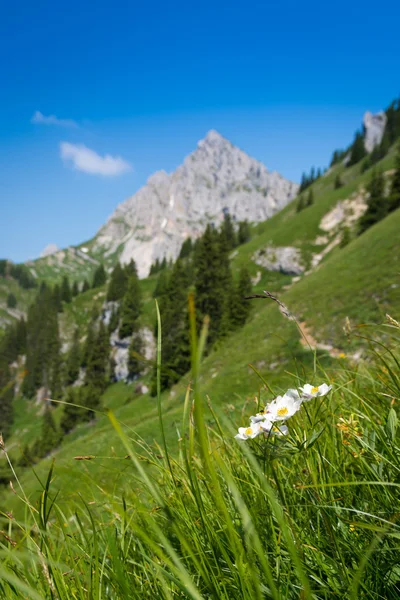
x=202, y=400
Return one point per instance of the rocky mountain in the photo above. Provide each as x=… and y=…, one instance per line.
x=374, y=127
x=216, y=178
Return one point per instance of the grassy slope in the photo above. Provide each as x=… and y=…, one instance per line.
x=267, y=341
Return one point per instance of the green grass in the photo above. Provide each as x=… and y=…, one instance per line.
x=313, y=516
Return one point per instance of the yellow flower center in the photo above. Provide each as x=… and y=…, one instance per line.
x=314, y=390
x=281, y=412
x=249, y=431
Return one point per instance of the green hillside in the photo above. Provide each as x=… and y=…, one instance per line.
x=365, y=291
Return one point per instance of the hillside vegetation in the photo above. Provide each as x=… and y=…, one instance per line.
x=142, y=484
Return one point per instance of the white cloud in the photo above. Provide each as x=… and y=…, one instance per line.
x=40, y=119
x=87, y=160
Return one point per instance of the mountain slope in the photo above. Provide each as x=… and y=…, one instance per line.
x=366, y=289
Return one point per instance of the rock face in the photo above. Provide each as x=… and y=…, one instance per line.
x=120, y=352
x=50, y=249
x=216, y=178
x=285, y=259
x=374, y=126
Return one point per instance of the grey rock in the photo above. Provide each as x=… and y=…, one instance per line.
x=50, y=249
x=120, y=352
x=374, y=126
x=285, y=259
x=217, y=177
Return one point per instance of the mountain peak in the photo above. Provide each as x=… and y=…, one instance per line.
x=215, y=178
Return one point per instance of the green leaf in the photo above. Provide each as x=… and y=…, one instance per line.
x=391, y=424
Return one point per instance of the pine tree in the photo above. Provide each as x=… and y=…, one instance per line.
x=377, y=205
x=394, y=198
x=338, y=182
x=357, y=151
x=186, y=248
x=75, y=289
x=241, y=307
x=88, y=344
x=97, y=366
x=73, y=360
x=300, y=204
x=85, y=286
x=65, y=290
x=136, y=358
x=6, y=395
x=99, y=277
x=212, y=275
x=244, y=232
x=11, y=300
x=161, y=286
x=346, y=237
x=57, y=300
x=114, y=320
x=118, y=283
x=131, y=307
x=175, y=350
x=50, y=437
x=310, y=198
x=72, y=415
x=228, y=231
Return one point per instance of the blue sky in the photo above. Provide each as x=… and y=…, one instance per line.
x=286, y=81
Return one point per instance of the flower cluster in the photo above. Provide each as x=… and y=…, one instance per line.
x=270, y=420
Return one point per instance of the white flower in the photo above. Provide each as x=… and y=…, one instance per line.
x=282, y=408
x=279, y=430
x=293, y=394
x=251, y=432
x=260, y=416
x=310, y=391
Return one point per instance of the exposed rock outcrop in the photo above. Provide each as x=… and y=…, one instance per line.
x=374, y=126
x=285, y=259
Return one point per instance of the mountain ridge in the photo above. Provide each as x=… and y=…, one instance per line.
x=217, y=177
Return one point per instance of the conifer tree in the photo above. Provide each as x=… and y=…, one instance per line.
x=97, y=367
x=346, y=237
x=175, y=351
x=6, y=395
x=57, y=300
x=242, y=307
x=99, y=277
x=310, y=198
x=300, y=204
x=212, y=266
x=118, y=283
x=358, y=151
x=161, y=286
x=228, y=231
x=11, y=300
x=73, y=360
x=114, y=320
x=89, y=342
x=163, y=264
x=136, y=359
x=186, y=248
x=65, y=290
x=50, y=437
x=394, y=199
x=72, y=415
x=131, y=307
x=377, y=205
x=85, y=286
x=244, y=232
x=338, y=182
x=75, y=289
